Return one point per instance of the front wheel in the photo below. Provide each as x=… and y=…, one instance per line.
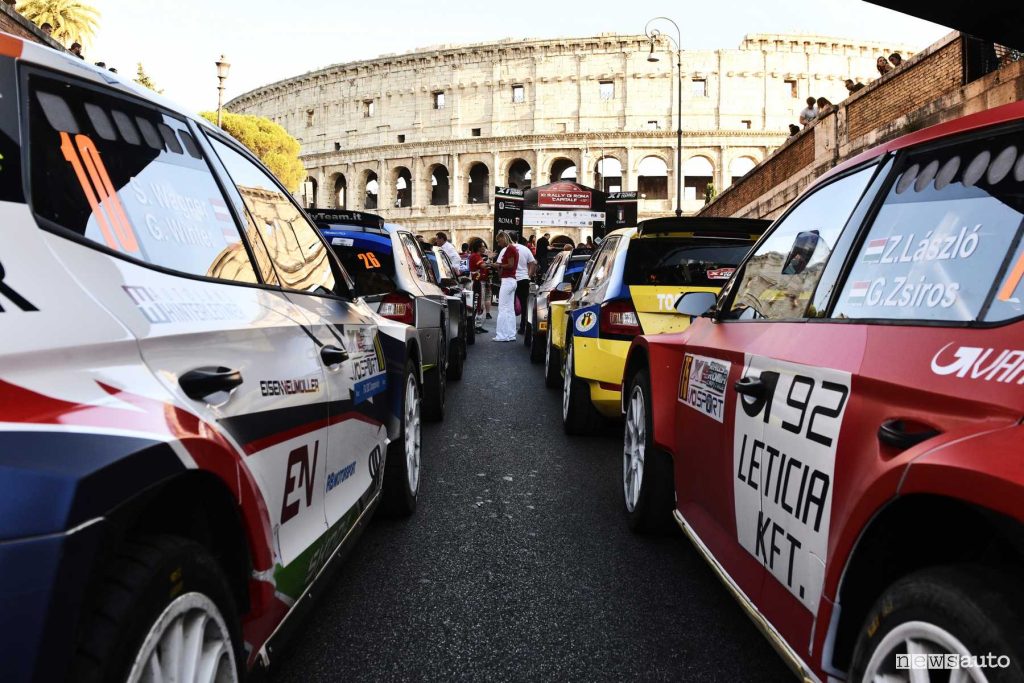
x=434, y=387
x=456, y=359
x=402, y=471
x=537, y=347
x=552, y=364
x=164, y=608
x=646, y=470
x=955, y=611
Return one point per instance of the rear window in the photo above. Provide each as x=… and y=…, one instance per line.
x=370, y=265
x=683, y=262
x=946, y=243
x=115, y=172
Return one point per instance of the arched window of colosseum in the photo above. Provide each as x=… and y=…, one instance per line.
x=563, y=169
x=520, y=175
x=309, y=188
x=340, y=192
x=479, y=184
x=608, y=174
x=403, y=186
x=739, y=167
x=652, y=178
x=697, y=174
x=439, y=183
x=372, y=191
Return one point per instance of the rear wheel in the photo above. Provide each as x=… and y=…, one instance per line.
x=164, y=611
x=646, y=470
x=471, y=330
x=527, y=334
x=552, y=364
x=537, y=350
x=578, y=414
x=402, y=472
x=966, y=611
x=434, y=386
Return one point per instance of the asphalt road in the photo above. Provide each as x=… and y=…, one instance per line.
x=518, y=564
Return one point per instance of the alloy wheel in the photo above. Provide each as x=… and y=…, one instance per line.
x=915, y=638
x=412, y=433
x=567, y=384
x=635, y=443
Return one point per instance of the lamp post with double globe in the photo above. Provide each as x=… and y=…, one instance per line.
x=654, y=35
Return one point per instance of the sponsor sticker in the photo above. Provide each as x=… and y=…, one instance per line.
x=342, y=241
x=702, y=384
x=720, y=273
x=586, y=321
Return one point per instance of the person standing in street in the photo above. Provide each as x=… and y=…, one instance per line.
x=542, y=252
x=478, y=274
x=524, y=273
x=441, y=240
x=508, y=263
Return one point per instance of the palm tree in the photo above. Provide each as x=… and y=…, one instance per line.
x=72, y=21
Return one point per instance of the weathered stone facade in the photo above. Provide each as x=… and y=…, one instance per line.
x=470, y=116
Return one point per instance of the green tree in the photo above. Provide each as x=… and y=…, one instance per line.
x=142, y=78
x=271, y=143
x=72, y=21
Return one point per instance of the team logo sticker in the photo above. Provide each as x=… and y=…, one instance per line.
x=586, y=323
x=702, y=385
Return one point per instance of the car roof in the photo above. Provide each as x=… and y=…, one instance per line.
x=713, y=226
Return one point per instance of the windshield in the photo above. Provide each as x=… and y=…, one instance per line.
x=683, y=262
x=368, y=260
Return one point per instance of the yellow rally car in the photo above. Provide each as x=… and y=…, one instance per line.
x=630, y=287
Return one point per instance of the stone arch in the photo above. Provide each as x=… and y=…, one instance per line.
x=562, y=168
x=608, y=174
x=371, y=189
x=479, y=181
x=519, y=174
x=401, y=180
x=309, y=192
x=440, y=184
x=339, y=191
x=698, y=173
x=652, y=177
x=740, y=166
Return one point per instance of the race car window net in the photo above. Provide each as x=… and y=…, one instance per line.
x=945, y=245
x=373, y=270
x=101, y=170
x=294, y=244
x=683, y=263
x=779, y=279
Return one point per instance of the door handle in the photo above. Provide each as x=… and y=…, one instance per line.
x=750, y=386
x=201, y=382
x=332, y=355
x=894, y=433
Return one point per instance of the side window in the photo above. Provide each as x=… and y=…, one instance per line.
x=778, y=280
x=445, y=266
x=412, y=252
x=131, y=178
x=554, y=273
x=945, y=245
x=299, y=255
x=602, y=263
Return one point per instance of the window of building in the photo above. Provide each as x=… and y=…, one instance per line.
x=438, y=99
x=156, y=202
x=746, y=123
x=369, y=107
x=699, y=87
x=401, y=138
x=309, y=118
x=337, y=146
x=518, y=93
x=475, y=132
x=792, y=87
x=607, y=89
x=652, y=125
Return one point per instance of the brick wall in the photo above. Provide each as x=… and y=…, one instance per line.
x=14, y=23
x=907, y=89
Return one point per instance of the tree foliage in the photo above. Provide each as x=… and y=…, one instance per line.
x=72, y=21
x=271, y=143
x=142, y=78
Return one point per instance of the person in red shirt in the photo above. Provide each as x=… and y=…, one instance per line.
x=478, y=274
x=508, y=262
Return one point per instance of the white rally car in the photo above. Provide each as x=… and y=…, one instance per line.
x=196, y=414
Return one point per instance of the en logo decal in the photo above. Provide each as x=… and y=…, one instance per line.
x=586, y=321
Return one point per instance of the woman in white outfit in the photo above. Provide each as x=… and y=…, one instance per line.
x=508, y=260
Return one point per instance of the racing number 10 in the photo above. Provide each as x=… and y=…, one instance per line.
x=99, y=192
x=770, y=379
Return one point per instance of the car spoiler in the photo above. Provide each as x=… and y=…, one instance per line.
x=704, y=226
x=350, y=219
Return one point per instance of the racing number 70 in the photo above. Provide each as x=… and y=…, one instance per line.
x=99, y=192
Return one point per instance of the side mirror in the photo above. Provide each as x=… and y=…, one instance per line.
x=695, y=304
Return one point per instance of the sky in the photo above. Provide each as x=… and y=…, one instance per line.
x=265, y=41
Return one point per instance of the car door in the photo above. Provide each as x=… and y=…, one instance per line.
x=431, y=302
x=757, y=429
x=164, y=251
x=453, y=295
x=343, y=334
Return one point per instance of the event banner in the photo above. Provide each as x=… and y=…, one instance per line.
x=508, y=209
x=620, y=208
x=564, y=195
x=561, y=219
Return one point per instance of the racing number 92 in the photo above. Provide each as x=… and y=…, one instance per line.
x=770, y=379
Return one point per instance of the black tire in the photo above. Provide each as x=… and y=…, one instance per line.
x=471, y=331
x=456, y=357
x=398, y=498
x=537, y=348
x=527, y=335
x=652, y=509
x=578, y=413
x=977, y=605
x=552, y=364
x=145, y=576
x=434, y=388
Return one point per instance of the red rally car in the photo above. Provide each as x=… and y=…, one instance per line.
x=839, y=432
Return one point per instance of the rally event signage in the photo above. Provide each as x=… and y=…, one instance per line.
x=620, y=208
x=508, y=209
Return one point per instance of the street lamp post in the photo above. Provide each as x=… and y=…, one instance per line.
x=654, y=35
x=222, y=75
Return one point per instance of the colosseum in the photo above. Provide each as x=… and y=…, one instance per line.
x=423, y=137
